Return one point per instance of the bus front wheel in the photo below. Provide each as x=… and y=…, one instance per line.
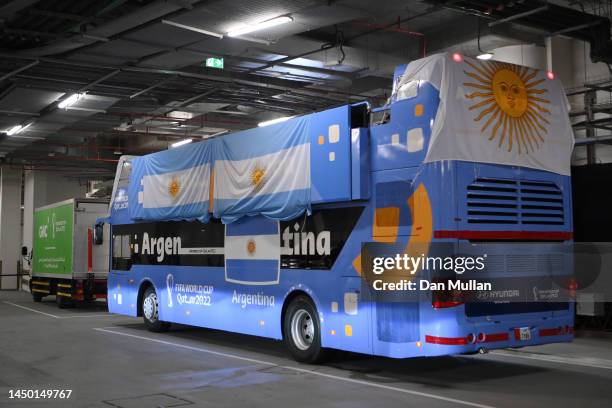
x=150, y=312
x=302, y=331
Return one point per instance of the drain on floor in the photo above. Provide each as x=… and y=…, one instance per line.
x=149, y=401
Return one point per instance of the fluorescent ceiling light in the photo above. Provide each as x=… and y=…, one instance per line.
x=485, y=56
x=14, y=130
x=181, y=143
x=273, y=121
x=71, y=100
x=17, y=129
x=259, y=26
x=192, y=28
x=180, y=114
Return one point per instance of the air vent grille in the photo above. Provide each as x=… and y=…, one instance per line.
x=500, y=201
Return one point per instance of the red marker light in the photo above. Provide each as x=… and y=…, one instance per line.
x=457, y=57
x=550, y=75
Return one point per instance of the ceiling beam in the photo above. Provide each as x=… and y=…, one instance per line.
x=18, y=70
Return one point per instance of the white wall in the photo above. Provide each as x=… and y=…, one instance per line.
x=10, y=224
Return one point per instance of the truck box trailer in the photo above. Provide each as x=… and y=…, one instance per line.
x=65, y=263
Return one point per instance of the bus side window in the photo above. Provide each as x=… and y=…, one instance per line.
x=122, y=253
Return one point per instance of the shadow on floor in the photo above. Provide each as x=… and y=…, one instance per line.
x=439, y=372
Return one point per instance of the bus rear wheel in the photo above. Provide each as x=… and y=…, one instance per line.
x=302, y=331
x=150, y=312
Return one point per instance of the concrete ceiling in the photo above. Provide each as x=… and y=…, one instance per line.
x=145, y=84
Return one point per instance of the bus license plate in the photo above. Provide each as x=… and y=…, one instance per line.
x=524, y=333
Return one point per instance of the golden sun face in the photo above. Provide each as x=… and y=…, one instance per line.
x=257, y=176
x=510, y=93
x=508, y=102
x=174, y=187
x=251, y=247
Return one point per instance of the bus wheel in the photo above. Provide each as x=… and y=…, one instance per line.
x=150, y=312
x=302, y=331
x=37, y=297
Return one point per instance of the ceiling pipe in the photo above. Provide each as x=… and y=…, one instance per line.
x=144, y=17
x=397, y=29
x=330, y=45
x=13, y=7
x=18, y=70
x=256, y=82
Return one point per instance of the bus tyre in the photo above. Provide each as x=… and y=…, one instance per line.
x=150, y=312
x=37, y=297
x=302, y=331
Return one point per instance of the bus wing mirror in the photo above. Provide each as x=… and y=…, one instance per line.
x=98, y=234
x=24, y=251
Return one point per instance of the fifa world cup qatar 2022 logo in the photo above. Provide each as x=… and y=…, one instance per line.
x=169, y=285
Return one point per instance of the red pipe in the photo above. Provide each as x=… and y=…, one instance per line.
x=89, y=250
x=397, y=29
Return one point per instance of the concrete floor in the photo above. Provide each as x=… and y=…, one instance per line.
x=112, y=361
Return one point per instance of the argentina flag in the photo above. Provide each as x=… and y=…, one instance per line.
x=172, y=184
x=263, y=171
x=252, y=251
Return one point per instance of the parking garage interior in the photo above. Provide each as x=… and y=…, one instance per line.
x=88, y=86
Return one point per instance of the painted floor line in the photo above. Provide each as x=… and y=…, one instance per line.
x=301, y=370
x=32, y=310
x=56, y=316
x=582, y=362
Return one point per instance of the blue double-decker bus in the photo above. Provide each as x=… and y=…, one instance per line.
x=261, y=231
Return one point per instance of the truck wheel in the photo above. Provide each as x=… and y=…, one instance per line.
x=63, y=302
x=302, y=331
x=37, y=297
x=150, y=312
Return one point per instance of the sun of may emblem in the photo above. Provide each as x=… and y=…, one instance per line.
x=174, y=187
x=258, y=175
x=510, y=103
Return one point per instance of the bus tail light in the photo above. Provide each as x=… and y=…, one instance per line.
x=572, y=287
x=444, y=299
x=447, y=341
x=445, y=305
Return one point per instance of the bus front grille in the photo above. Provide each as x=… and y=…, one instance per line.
x=515, y=202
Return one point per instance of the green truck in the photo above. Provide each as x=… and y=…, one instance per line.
x=64, y=260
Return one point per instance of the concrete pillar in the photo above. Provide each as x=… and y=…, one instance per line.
x=523, y=54
x=559, y=59
x=10, y=225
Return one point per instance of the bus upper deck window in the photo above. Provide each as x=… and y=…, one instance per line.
x=380, y=117
x=408, y=90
